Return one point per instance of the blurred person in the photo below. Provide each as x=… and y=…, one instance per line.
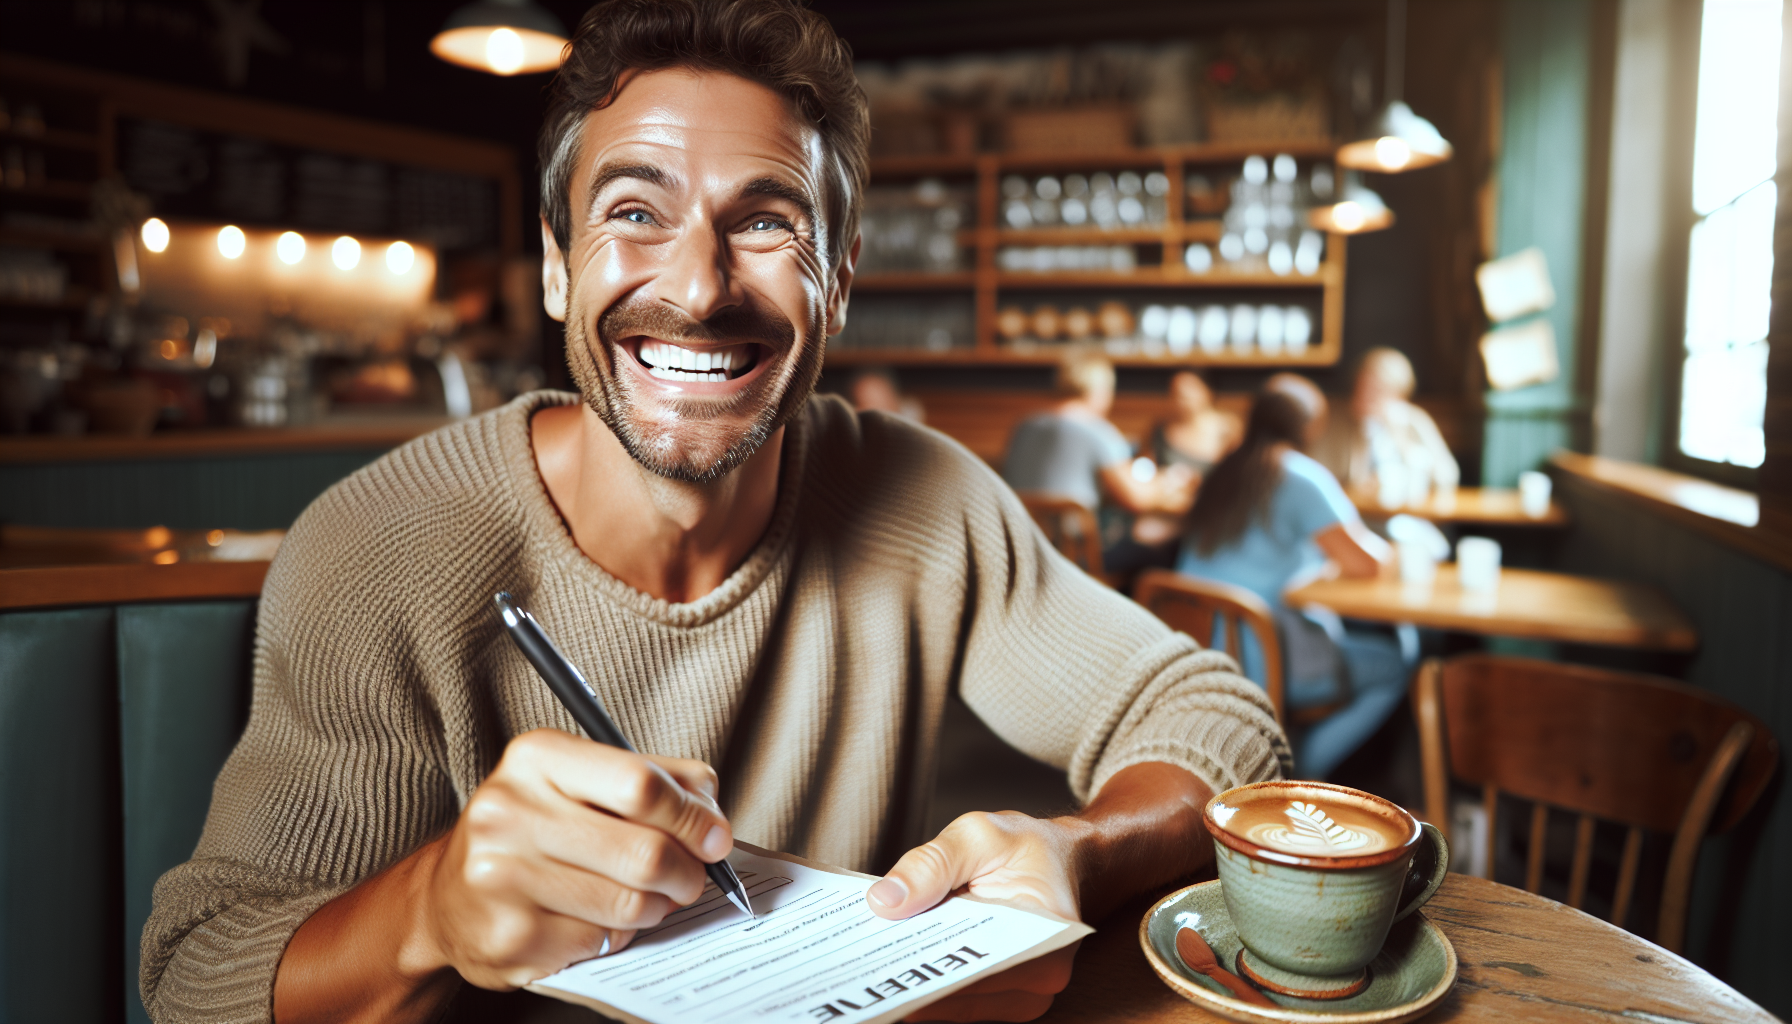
x=1073, y=451
x=1268, y=518
x=1198, y=435
x=876, y=390
x=1384, y=441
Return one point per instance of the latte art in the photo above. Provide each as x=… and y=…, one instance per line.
x=1310, y=830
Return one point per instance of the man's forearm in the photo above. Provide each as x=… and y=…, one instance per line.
x=358, y=957
x=1141, y=831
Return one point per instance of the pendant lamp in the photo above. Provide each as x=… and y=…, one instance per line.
x=503, y=37
x=1398, y=139
x=1357, y=210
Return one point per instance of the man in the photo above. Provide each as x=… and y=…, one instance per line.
x=753, y=580
x=1073, y=451
x=1383, y=442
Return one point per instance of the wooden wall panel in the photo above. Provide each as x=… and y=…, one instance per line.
x=1743, y=610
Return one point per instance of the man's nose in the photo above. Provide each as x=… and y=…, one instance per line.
x=699, y=280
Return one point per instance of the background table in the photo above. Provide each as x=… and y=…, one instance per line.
x=1470, y=506
x=1522, y=957
x=1529, y=604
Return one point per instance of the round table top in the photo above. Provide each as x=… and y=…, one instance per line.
x=1523, y=958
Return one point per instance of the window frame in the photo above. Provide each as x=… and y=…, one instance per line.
x=1680, y=220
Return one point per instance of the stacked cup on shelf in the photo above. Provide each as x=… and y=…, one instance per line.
x=1103, y=201
x=1272, y=329
x=1264, y=225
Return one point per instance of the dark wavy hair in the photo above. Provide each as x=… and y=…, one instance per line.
x=777, y=43
x=1239, y=489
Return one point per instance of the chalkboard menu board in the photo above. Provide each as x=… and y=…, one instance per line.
x=204, y=175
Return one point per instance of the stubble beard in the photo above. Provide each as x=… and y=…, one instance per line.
x=692, y=440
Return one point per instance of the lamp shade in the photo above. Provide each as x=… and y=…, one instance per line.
x=1357, y=211
x=503, y=37
x=1398, y=140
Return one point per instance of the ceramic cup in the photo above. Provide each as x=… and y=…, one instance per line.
x=1314, y=875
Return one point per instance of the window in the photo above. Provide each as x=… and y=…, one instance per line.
x=1723, y=381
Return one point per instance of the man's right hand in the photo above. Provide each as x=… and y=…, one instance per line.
x=564, y=851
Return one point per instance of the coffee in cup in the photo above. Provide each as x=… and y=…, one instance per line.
x=1313, y=876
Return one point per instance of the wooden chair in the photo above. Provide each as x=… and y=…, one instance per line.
x=1070, y=527
x=1193, y=606
x=1641, y=751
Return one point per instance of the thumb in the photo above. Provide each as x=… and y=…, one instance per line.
x=926, y=875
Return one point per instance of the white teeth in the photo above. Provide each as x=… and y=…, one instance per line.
x=661, y=355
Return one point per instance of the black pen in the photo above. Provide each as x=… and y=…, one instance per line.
x=588, y=710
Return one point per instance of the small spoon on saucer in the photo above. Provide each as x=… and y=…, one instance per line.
x=1199, y=957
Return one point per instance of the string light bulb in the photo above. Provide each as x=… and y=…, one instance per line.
x=155, y=234
x=400, y=257
x=290, y=247
x=231, y=241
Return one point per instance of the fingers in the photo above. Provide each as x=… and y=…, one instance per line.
x=629, y=786
x=695, y=776
x=927, y=874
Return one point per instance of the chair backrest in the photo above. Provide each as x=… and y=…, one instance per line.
x=1069, y=526
x=1649, y=753
x=1194, y=606
x=117, y=708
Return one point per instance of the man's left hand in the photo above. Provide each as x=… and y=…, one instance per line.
x=1007, y=856
x=1143, y=830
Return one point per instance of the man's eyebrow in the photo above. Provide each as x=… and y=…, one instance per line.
x=778, y=189
x=611, y=172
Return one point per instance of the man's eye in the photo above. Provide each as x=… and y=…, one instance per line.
x=768, y=224
x=637, y=216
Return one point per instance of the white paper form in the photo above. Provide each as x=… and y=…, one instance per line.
x=816, y=953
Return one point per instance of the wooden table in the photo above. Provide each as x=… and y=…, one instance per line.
x=1523, y=958
x=1529, y=604
x=1469, y=506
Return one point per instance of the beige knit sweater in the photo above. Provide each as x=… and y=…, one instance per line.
x=896, y=568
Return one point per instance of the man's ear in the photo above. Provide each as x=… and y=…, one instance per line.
x=842, y=288
x=553, y=274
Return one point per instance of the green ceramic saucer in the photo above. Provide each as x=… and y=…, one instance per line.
x=1410, y=975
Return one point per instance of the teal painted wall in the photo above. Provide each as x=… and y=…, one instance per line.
x=246, y=492
x=1547, y=48
x=1742, y=896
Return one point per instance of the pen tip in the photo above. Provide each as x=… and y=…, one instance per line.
x=740, y=900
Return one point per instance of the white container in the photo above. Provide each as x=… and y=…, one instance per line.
x=1417, y=566
x=1533, y=493
x=1478, y=564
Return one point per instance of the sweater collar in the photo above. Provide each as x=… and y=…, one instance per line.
x=549, y=542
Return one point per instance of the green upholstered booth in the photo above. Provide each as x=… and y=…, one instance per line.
x=114, y=720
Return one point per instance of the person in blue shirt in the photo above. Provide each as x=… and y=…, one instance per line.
x=1268, y=518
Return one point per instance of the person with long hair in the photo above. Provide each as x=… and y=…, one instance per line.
x=1268, y=517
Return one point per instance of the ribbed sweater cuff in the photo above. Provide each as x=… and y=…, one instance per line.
x=224, y=969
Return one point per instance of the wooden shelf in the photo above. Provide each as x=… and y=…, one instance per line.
x=1120, y=159
x=1188, y=231
x=48, y=238
x=1158, y=277
x=79, y=191
x=1051, y=355
x=914, y=281
x=987, y=284
x=54, y=137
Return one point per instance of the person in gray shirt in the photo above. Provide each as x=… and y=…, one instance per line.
x=1073, y=451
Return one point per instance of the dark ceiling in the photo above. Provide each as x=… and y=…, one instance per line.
x=371, y=58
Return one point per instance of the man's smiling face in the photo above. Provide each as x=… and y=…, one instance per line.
x=698, y=286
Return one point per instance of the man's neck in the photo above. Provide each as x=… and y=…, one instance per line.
x=672, y=540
